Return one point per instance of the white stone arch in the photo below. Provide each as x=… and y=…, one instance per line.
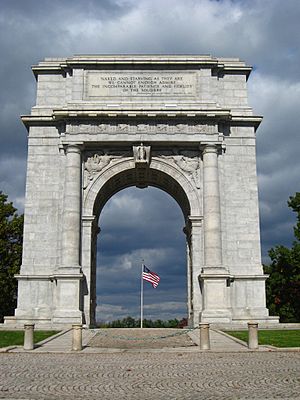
x=181, y=187
x=186, y=131
x=160, y=165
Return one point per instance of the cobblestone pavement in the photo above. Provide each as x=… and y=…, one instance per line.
x=150, y=375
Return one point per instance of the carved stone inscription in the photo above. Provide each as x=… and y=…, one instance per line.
x=145, y=83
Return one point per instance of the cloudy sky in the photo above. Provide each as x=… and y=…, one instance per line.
x=264, y=33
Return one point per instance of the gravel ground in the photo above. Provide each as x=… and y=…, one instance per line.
x=145, y=338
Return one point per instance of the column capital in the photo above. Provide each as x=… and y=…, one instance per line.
x=210, y=148
x=88, y=219
x=213, y=148
x=195, y=220
x=73, y=148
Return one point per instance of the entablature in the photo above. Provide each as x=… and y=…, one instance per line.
x=219, y=66
x=141, y=121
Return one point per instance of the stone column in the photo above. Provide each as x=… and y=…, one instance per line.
x=88, y=264
x=71, y=217
x=213, y=278
x=196, y=263
x=68, y=288
x=211, y=206
x=189, y=281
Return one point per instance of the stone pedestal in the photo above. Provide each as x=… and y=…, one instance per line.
x=215, y=298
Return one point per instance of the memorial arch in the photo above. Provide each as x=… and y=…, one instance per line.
x=104, y=123
x=119, y=174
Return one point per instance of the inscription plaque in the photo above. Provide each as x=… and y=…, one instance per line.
x=142, y=84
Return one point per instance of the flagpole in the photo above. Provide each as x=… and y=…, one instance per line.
x=142, y=293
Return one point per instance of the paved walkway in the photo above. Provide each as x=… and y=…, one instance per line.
x=150, y=376
x=110, y=340
x=230, y=371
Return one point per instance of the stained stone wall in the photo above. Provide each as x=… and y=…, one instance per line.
x=86, y=131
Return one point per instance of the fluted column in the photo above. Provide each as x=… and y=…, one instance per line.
x=71, y=217
x=211, y=205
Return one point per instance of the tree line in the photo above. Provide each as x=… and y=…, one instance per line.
x=282, y=286
x=129, y=322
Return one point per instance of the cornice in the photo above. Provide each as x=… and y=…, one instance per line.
x=63, y=65
x=214, y=115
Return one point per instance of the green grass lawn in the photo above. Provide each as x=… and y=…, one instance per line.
x=277, y=338
x=15, y=338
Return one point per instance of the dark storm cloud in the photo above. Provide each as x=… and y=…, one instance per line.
x=278, y=163
x=263, y=33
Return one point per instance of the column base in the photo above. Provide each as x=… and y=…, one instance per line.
x=215, y=316
x=219, y=270
x=20, y=321
x=67, y=317
x=216, y=299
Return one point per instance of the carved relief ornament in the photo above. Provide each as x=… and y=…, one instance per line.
x=188, y=162
x=140, y=128
x=141, y=155
x=95, y=163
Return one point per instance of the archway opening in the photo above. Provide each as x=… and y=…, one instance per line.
x=141, y=225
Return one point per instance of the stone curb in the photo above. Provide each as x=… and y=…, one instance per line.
x=36, y=345
x=7, y=349
x=151, y=351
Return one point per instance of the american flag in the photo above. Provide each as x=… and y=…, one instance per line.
x=151, y=277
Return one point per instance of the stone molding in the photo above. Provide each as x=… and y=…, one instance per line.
x=48, y=277
x=149, y=128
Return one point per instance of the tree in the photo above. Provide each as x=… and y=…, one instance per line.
x=11, y=238
x=283, y=285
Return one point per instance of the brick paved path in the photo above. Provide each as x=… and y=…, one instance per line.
x=150, y=375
